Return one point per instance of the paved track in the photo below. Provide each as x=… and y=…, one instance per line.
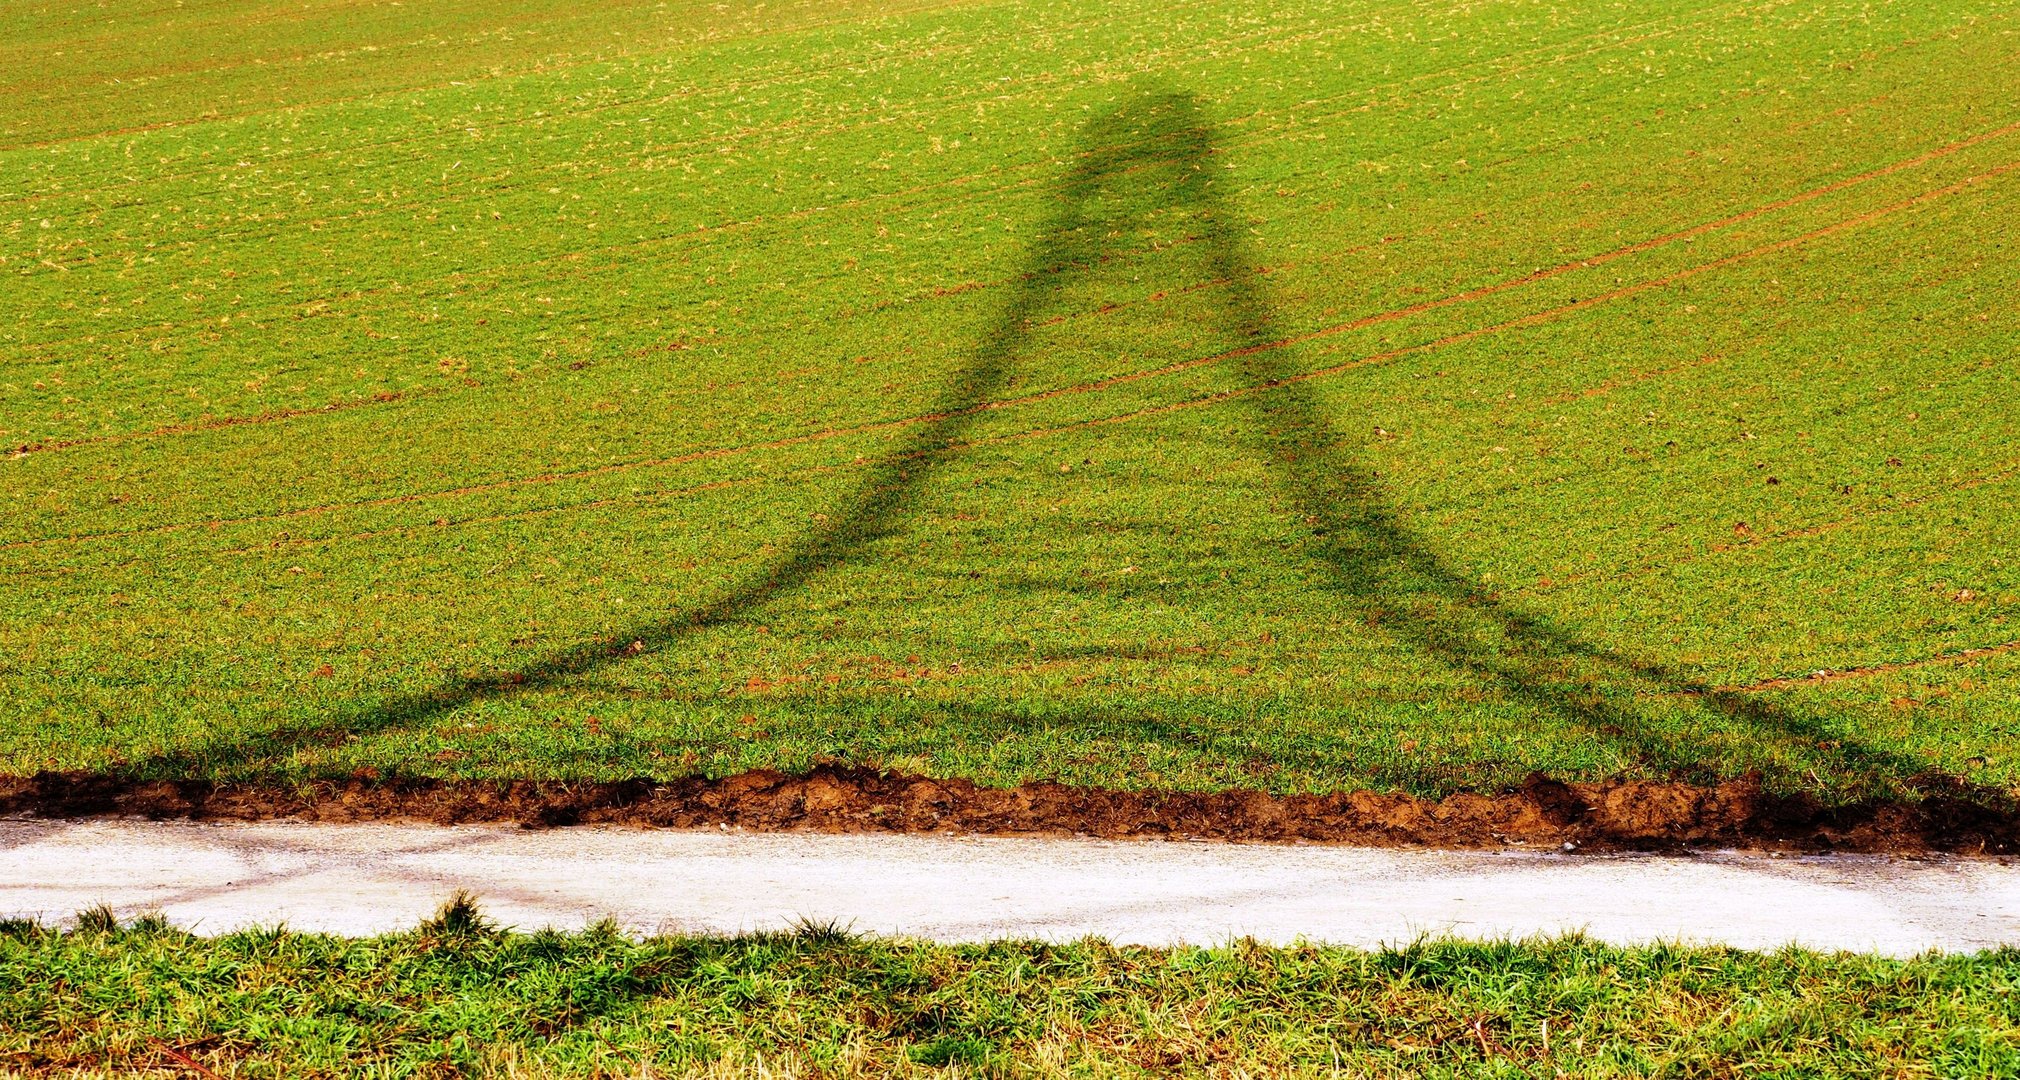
x=358, y=879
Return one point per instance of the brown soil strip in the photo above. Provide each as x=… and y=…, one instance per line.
x=1610, y=815
x=1817, y=678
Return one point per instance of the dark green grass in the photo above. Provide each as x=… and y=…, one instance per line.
x=785, y=351
x=456, y=997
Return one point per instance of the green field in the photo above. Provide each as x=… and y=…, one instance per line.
x=457, y=999
x=1232, y=393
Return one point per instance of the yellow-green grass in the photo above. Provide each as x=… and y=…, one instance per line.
x=1301, y=396
x=456, y=997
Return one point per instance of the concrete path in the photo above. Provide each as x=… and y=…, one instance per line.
x=363, y=879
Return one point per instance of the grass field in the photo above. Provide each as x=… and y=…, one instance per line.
x=1339, y=394
x=454, y=998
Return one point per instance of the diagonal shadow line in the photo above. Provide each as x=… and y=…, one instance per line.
x=1374, y=563
x=1383, y=570
x=876, y=505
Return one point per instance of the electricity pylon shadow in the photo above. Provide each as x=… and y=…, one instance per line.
x=1158, y=153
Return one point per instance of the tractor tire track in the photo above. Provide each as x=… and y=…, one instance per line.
x=1386, y=356
x=1828, y=676
x=733, y=87
x=461, y=277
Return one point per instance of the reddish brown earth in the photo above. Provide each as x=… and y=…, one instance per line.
x=1612, y=815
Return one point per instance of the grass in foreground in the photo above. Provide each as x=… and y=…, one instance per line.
x=459, y=998
x=1299, y=395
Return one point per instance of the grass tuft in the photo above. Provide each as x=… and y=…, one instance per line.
x=953, y=1050
x=100, y=919
x=150, y=923
x=459, y=917
x=823, y=931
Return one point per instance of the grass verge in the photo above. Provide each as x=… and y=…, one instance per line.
x=459, y=997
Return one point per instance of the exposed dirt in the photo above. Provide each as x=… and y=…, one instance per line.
x=1614, y=815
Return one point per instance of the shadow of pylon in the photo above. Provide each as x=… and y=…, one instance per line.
x=1160, y=145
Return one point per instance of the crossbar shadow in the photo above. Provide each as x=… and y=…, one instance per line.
x=1374, y=562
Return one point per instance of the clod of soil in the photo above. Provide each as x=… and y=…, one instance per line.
x=1611, y=815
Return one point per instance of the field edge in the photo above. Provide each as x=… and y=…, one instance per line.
x=1944, y=816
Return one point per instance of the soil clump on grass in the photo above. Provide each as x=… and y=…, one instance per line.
x=1615, y=815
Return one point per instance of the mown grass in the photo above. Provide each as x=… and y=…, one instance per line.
x=457, y=997
x=747, y=395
